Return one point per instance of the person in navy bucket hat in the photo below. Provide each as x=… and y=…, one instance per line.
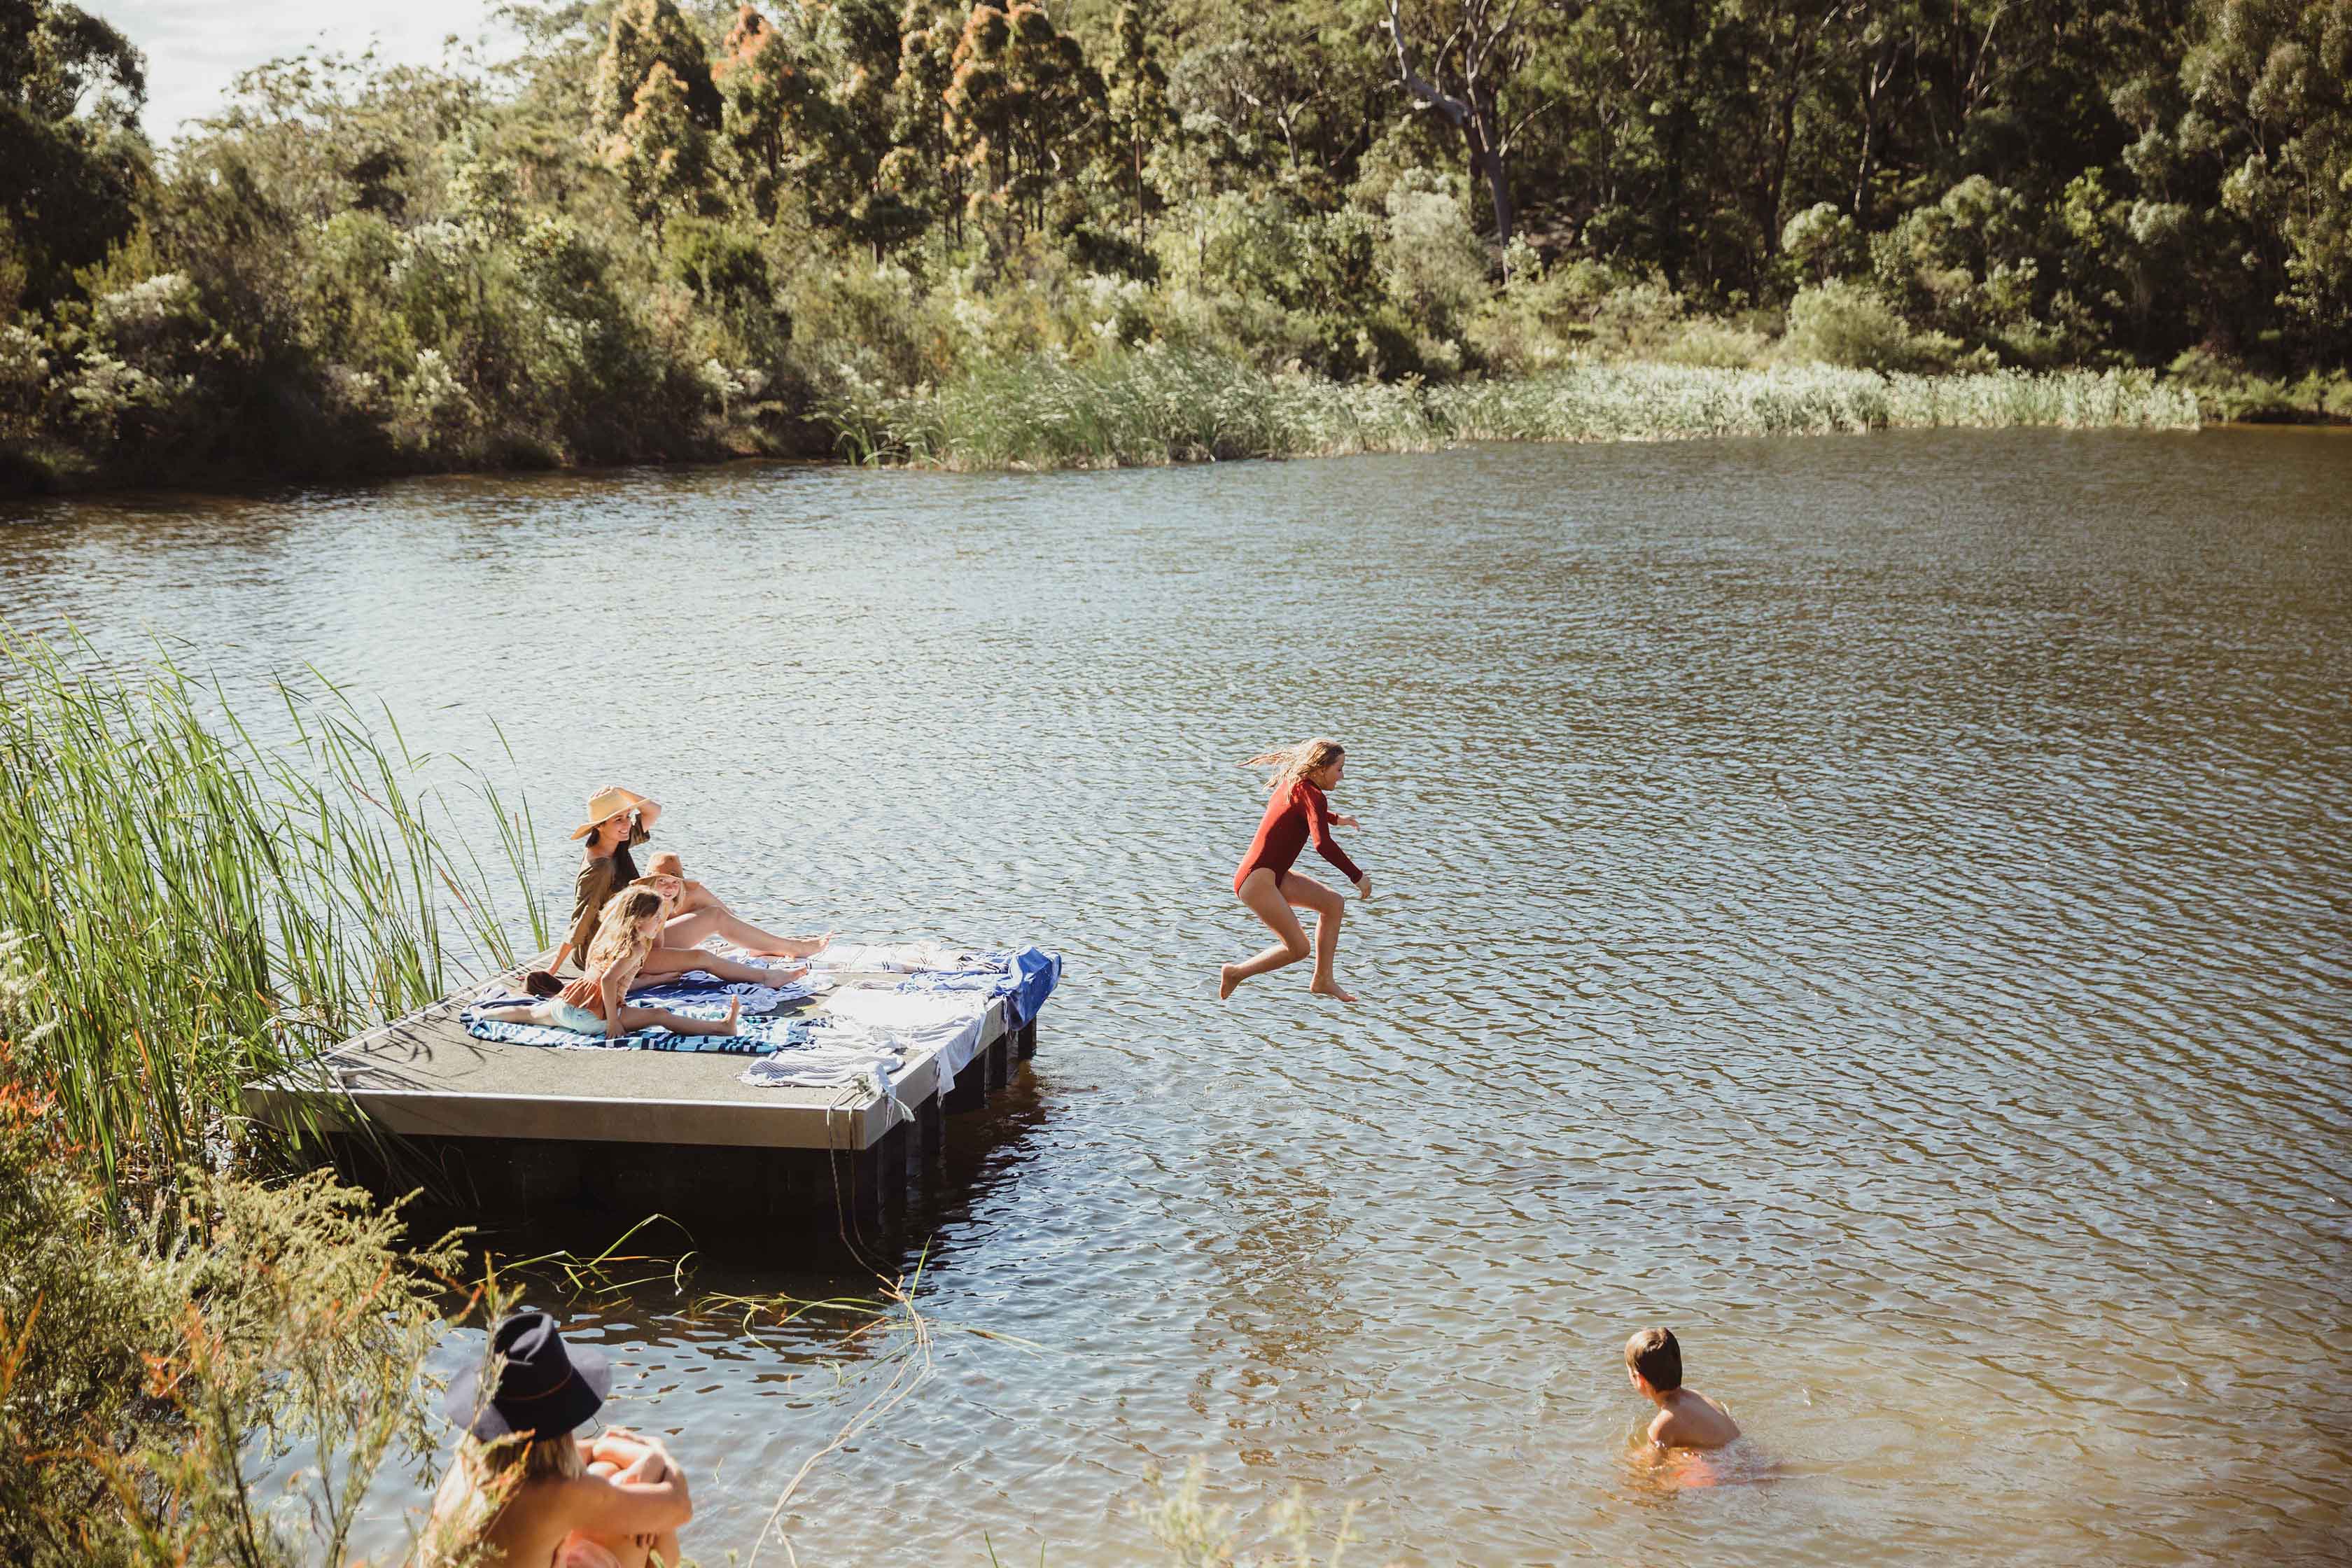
x=524, y=1489
x=545, y=1388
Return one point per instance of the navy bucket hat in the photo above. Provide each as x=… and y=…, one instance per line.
x=545, y=1388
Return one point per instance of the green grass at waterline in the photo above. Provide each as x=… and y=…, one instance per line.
x=1151, y=406
x=190, y=908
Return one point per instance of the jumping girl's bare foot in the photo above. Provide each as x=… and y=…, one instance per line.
x=1226, y=980
x=1330, y=988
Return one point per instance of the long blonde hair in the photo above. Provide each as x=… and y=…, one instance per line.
x=1293, y=763
x=619, y=937
x=478, y=1487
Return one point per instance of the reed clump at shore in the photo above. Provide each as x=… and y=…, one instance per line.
x=185, y=905
x=188, y=907
x=1147, y=406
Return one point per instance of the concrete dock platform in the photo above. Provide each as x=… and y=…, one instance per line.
x=516, y=1131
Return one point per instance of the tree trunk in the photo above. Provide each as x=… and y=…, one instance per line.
x=1474, y=113
x=1498, y=189
x=1861, y=173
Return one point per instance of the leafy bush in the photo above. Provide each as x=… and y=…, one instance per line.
x=1703, y=340
x=157, y=1357
x=2228, y=392
x=1848, y=324
x=1822, y=242
x=1433, y=268
x=1635, y=321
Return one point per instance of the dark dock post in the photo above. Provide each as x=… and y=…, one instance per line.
x=931, y=1138
x=866, y=1205
x=894, y=1166
x=971, y=1090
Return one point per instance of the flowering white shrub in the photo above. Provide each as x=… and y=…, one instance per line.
x=150, y=312
x=23, y=371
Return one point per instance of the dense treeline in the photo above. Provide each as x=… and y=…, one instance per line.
x=666, y=229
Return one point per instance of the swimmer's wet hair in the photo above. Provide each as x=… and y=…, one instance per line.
x=1653, y=1353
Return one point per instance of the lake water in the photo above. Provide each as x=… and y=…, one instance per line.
x=1881, y=906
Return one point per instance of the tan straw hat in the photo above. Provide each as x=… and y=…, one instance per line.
x=609, y=801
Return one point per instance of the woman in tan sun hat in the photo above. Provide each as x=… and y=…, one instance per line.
x=617, y=820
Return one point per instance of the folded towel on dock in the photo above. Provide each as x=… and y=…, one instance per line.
x=833, y=1056
x=891, y=957
x=916, y=1022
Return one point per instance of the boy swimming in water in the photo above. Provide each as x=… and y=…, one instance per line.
x=1686, y=1418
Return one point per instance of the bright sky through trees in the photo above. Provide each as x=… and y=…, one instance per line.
x=195, y=47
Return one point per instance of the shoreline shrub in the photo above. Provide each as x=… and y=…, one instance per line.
x=1850, y=325
x=161, y=1353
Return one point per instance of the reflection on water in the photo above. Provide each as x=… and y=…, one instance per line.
x=1879, y=906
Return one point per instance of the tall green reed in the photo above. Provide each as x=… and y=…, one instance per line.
x=1158, y=405
x=201, y=907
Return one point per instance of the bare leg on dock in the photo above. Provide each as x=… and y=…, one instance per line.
x=669, y=960
x=635, y=1018
x=701, y=915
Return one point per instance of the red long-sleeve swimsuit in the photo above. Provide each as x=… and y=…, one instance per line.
x=1292, y=817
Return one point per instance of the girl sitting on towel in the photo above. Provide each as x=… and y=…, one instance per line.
x=618, y=822
x=696, y=914
x=1296, y=811
x=629, y=927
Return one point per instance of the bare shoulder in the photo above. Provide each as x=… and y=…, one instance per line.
x=1662, y=1429
x=1693, y=1421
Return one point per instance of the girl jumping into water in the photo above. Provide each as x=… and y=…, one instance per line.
x=1295, y=810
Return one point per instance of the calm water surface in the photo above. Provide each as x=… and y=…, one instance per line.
x=1882, y=906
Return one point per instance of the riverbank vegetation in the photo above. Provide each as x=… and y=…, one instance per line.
x=185, y=905
x=191, y=906
x=665, y=231
x=1151, y=405
x=158, y=1354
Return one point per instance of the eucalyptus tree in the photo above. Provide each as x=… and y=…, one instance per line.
x=72, y=161
x=1461, y=61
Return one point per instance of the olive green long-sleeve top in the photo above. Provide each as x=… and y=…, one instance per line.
x=601, y=876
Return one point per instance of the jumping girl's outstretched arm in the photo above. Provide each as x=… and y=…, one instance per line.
x=1319, y=823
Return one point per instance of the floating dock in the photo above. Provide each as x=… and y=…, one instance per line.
x=526, y=1131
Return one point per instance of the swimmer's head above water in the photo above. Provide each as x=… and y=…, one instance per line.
x=1653, y=1360
x=1686, y=1418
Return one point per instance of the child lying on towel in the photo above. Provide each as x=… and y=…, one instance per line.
x=628, y=930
